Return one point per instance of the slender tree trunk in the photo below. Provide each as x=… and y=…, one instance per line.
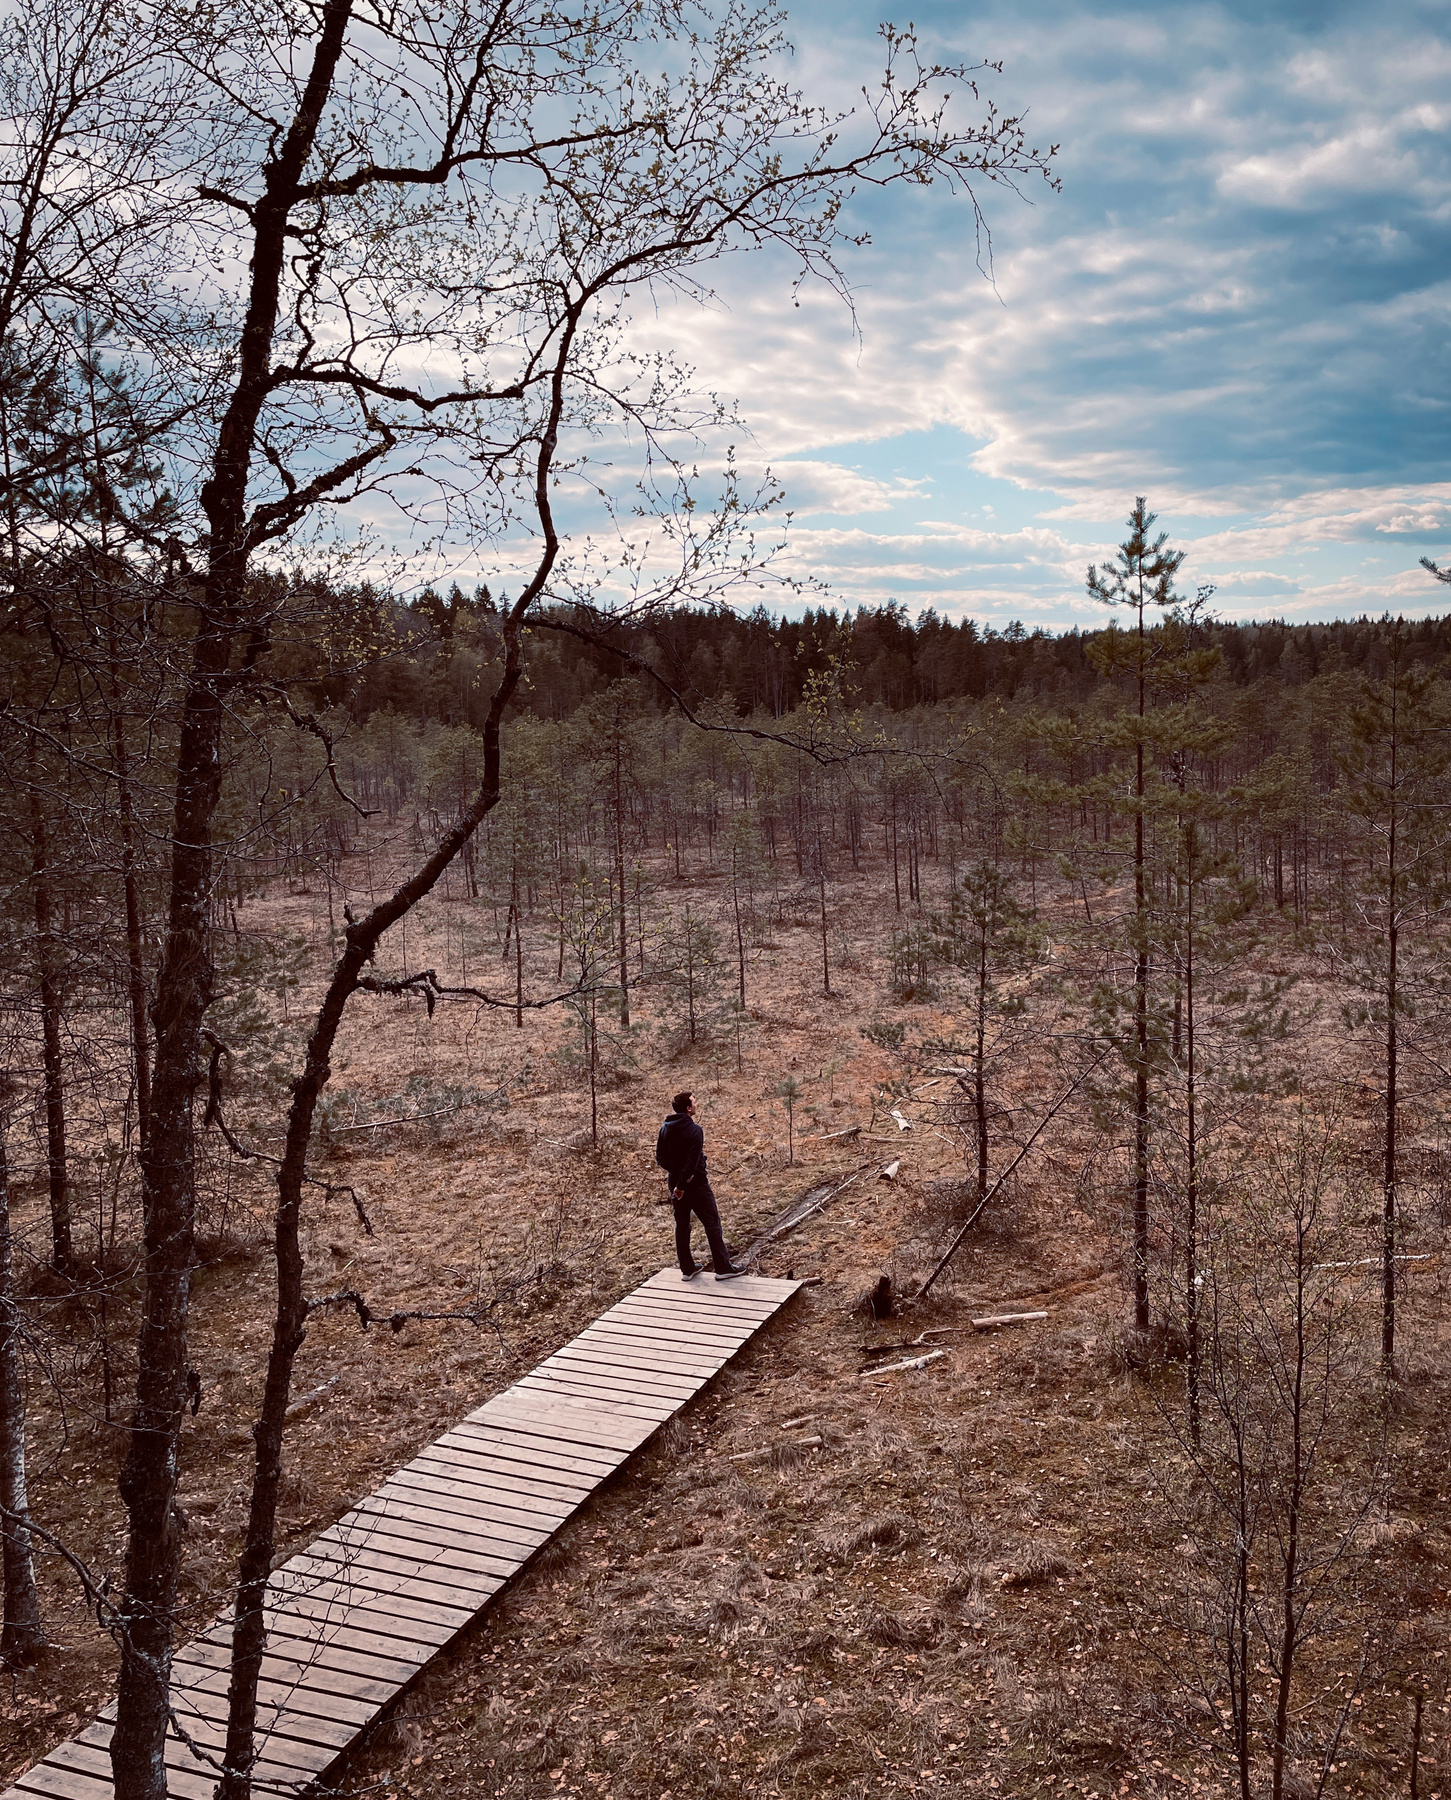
x=620, y=876
x=594, y=1071
x=821, y=888
x=1191, y=1209
x=518, y=943
x=1141, y=1061
x=1389, y=1172
x=740, y=936
x=135, y=965
x=979, y=1072
x=1290, y=1564
x=21, y=1636
x=47, y=959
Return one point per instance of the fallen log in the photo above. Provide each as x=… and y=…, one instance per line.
x=798, y=1212
x=994, y=1321
x=300, y=1405
x=912, y=1362
x=889, y=1170
x=850, y=1132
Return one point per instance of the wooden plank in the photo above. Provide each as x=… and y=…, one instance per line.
x=190, y=1777
x=693, y=1314
x=433, y=1547
x=646, y=1335
x=682, y=1319
x=599, y=1363
x=417, y=1527
x=533, y=1443
x=54, y=1782
x=608, y=1392
x=608, y=1389
x=701, y=1309
x=286, y=1758
x=366, y=1580
x=697, y=1314
x=436, y=1549
x=647, y=1349
x=455, y=1479
x=447, y=1514
x=285, y=1695
x=321, y=1669
x=525, y=1472
x=329, y=1641
x=568, y=1425
x=450, y=1489
x=200, y=1696
x=201, y=1710
x=492, y=1488
x=362, y=1641
x=761, y=1290
x=407, y=1627
x=615, y=1361
x=702, y=1336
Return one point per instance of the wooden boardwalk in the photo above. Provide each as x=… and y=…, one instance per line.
x=363, y=1610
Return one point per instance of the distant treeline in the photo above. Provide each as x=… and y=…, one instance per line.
x=757, y=663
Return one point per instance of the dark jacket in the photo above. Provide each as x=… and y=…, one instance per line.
x=680, y=1149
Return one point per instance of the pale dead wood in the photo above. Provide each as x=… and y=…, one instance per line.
x=911, y=1362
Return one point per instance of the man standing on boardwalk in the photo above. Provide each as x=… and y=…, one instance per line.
x=680, y=1151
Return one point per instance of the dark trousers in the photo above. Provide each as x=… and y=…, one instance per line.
x=698, y=1199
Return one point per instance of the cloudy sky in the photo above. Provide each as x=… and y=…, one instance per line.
x=1237, y=306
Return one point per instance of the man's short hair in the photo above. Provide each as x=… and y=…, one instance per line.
x=681, y=1100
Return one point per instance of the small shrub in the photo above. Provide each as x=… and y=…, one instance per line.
x=886, y=1034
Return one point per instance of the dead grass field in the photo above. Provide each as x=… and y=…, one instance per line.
x=957, y=1590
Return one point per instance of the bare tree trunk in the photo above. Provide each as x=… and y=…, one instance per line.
x=821, y=888
x=1191, y=1208
x=1290, y=1599
x=620, y=873
x=979, y=1076
x=740, y=936
x=1389, y=1172
x=47, y=960
x=1141, y=1058
x=594, y=1076
x=518, y=941
x=135, y=966
x=21, y=1636
x=149, y=1479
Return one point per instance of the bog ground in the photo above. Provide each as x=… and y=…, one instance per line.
x=965, y=1578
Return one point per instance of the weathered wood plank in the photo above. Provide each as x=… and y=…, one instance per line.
x=614, y=1362
x=648, y=1350
x=529, y=1441
x=54, y=1782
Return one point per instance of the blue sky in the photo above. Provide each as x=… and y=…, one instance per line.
x=1238, y=306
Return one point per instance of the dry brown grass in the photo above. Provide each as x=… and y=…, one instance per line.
x=937, y=1599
